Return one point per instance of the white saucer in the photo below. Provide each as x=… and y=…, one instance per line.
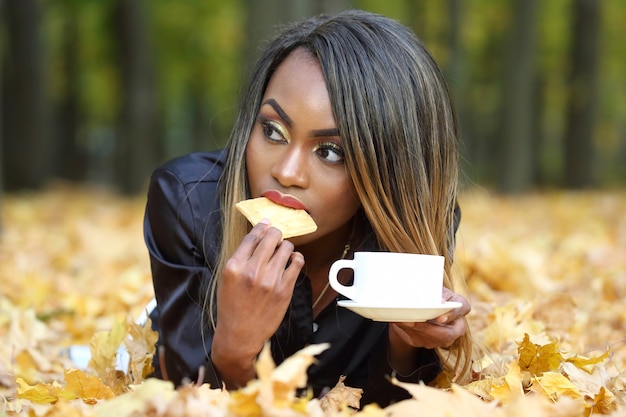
x=398, y=314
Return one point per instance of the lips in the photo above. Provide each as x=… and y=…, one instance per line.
x=284, y=200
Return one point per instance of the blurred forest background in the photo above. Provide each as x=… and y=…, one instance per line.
x=102, y=91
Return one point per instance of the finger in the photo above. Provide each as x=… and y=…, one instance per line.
x=443, y=319
x=450, y=295
x=291, y=273
x=450, y=316
x=265, y=244
x=420, y=334
x=447, y=294
x=431, y=334
x=252, y=239
x=271, y=239
x=446, y=324
x=281, y=255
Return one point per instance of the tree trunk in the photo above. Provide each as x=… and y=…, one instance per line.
x=582, y=101
x=71, y=160
x=456, y=75
x=27, y=156
x=262, y=21
x=139, y=148
x=517, y=102
x=540, y=176
x=416, y=19
x=264, y=18
x=198, y=109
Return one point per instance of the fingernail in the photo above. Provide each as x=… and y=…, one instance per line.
x=265, y=221
x=442, y=319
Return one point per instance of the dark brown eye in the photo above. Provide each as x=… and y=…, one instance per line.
x=271, y=130
x=330, y=152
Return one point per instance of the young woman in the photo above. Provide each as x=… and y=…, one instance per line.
x=349, y=117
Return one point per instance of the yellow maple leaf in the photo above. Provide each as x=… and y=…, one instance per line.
x=554, y=385
x=434, y=402
x=265, y=364
x=38, y=393
x=25, y=366
x=78, y=385
x=511, y=387
x=65, y=409
x=538, y=405
x=134, y=402
x=482, y=388
x=509, y=322
x=141, y=346
x=604, y=402
x=536, y=358
x=190, y=401
x=86, y=387
x=341, y=396
x=587, y=363
x=275, y=387
x=243, y=402
x=588, y=384
x=292, y=371
x=104, y=346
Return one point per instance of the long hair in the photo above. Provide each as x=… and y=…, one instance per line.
x=398, y=128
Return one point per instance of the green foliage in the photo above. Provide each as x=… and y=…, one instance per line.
x=198, y=43
x=611, y=132
x=199, y=49
x=97, y=70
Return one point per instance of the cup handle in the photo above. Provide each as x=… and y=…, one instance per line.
x=348, y=291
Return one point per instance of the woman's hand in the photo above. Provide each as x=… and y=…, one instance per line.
x=439, y=332
x=252, y=298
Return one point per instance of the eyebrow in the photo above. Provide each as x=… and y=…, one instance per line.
x=281, y=112
x=326, y=132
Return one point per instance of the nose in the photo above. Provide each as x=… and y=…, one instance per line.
x=291, y=168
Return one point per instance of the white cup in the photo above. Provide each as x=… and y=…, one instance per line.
x=391, y=279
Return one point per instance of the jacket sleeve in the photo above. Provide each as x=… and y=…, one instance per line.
x=180, y=272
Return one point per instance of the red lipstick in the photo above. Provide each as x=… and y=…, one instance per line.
x=284, y=199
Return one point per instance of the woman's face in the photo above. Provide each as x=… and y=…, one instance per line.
x=294, y=154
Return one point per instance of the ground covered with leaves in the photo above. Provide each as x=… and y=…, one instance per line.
x=546, y=275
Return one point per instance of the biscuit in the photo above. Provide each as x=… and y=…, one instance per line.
x=291, y=222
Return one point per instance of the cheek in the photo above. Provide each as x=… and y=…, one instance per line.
x=340, y=200
x=351, y=201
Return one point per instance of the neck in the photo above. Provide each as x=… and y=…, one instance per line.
x=319, y=255
x=318, y=258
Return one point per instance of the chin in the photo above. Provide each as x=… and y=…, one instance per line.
x=304, y=239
